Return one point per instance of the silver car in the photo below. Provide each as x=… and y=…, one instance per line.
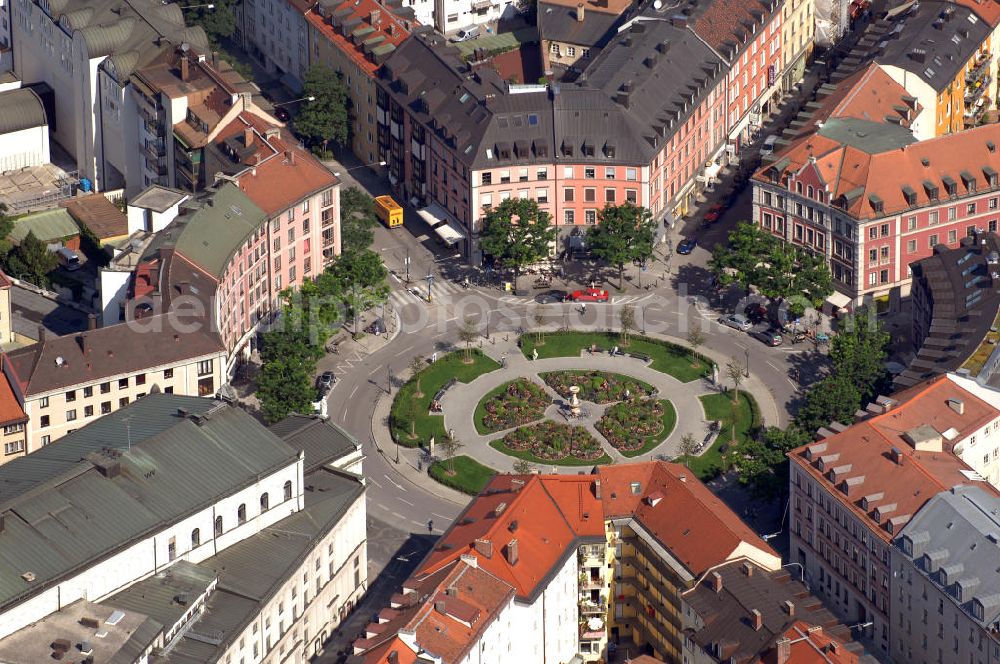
x=737, y=322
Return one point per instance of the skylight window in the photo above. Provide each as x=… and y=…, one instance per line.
x=464, y=98
x=489, y=153
x=532, y=119
x=973, y=19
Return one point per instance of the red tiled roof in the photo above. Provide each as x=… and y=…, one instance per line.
x=447, y=612
x=279, y=173
x=987, y=10
x=896, y=478
x=854, y=174
x=10, y=408
x=98, y=214
x=869, y=94
x=5, y=281
x=692, y=522
x=725, y=21
x=809, y=644
x=391, y=29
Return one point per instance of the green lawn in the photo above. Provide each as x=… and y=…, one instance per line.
x=669, y=421
x=542, y=463
x=667, y=358
x=470, y=476
x=720, y=407
x=432, y=379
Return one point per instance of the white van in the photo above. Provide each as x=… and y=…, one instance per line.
x=68, y=258
x=768, y=147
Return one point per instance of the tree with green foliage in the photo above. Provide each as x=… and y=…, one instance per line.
x=467, y=334
x=357, y=220
x=858, y=353
x=6, y=226
x=523, y=467
x=760, y=461
x=517, y=233
x=779, y=270
x=325, y=119
x=406, y=412
x=217, y=19
x=834, y=399
x=688, y=447
x=735, y=370
x=626, y=319
x=450, y=447
x=624, y=234
x=31, y=260
x=289, y=357
x=695, y=338
x=417, y=365
x=359, y=277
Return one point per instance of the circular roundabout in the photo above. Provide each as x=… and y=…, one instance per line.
x=572, y=399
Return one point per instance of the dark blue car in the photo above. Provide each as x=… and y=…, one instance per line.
x=686, y=246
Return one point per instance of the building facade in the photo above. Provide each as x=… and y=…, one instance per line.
x=903, y=199
x=944, y=579
x=853, y=491
x=354, y=39
x=245, y=489
x=275, y=33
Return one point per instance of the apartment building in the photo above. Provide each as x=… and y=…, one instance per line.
x=573, y=33
x=353, y=38
x=197, y=550
x=275, y=33
x=900, y=199
x=63, y=383
x=798, y=26
x=86, y=52
x=13, y=423
x=184, y=100
x=947, y=600
x=853, y=491
x=941, y=52
x=594, y=564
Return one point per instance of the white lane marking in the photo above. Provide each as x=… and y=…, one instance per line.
x=374, y=482
x=404, y=501
x=402, y=352
x=397, y=515
x=372, y=372
x=393, y=482
x=792, y=384
x=353, y=392
x=440, y=516
x=771, y=364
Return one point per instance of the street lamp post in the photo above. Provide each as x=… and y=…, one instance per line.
x=430, y=283
x=206, y=6
x=746, y=366
x=354, y=168
x=406, y=263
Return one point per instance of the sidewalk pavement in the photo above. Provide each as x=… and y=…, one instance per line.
x=459, y=405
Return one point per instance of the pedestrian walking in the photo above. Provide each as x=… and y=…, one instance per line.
x=430, y=526
x=434, y=357
x=534, y=353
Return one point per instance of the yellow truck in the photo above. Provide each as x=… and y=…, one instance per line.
x=389, y=211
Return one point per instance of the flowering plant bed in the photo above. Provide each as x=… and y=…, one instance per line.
x=552, y=441
x=636, y=427
x=510, y=405
x=597, y=386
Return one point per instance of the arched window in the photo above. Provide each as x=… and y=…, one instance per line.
x=263, y=502
x=241, y=514
x=195, y=538
x=798, y=187
x=218, y=526
x=288, y=490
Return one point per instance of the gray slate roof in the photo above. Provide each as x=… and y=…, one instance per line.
x=320, y=439
x=934, y=41
x=628, y=101
x=155, y=596
x=20, y=109
x=961, y=527
x=866, y=135
x=559, y=23
x=76, y=514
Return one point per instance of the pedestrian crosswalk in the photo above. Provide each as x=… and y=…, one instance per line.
x=444, y=291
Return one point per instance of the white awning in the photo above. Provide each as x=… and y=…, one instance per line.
x=838, y=300
x=442, y=223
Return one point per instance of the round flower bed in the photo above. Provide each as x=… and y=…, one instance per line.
x=517, y=402
x=630, y=425
x=553, y=440
x=597, y=386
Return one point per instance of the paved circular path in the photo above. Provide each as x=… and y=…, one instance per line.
x=459, y=403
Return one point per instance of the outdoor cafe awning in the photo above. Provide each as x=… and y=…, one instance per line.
x=442, y=223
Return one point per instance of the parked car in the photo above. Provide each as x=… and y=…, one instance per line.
x=737, y=322
x=767, y=337
x=686, y=246
x=713, y=214
x=768, y=147
x=465, y=34
x=69, y=259
x=590, y=295
x=325, y=381
x=552, y=297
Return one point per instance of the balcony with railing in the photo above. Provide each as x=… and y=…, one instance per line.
x=591, y=608
x=976, y=90
x=980, y=69
x=155, y=149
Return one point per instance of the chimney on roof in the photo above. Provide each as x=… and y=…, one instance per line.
x=597, y=489
x=784, y=650
x=484, y=547
x=757, y=619
x=512, y=552
x=516, y=485
x=469, y=560
x=957, y=405
x=91, y=321
x=393, y=658
x=580, y=12
x=896, y=455
x=185, y=68
x=41, y=333
x=290, y=156
x=789, y=607
x=716, y=582
x=247, y=136
x=82, y=340
x=747, y=568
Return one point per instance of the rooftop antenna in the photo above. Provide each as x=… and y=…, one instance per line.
x=128, y=430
